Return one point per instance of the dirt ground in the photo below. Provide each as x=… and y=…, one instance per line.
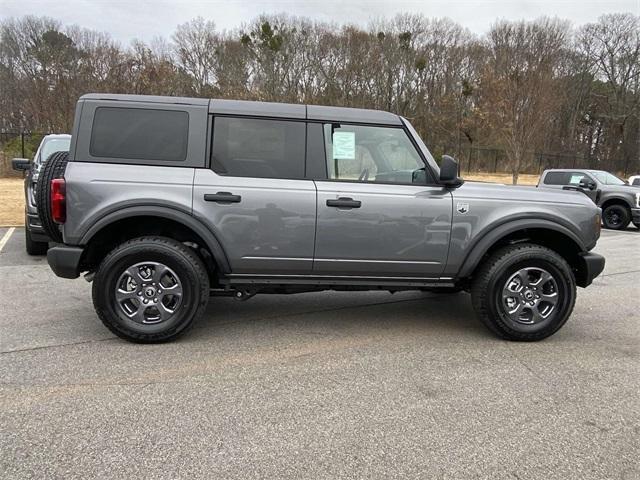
x=11, y=202
x=523, y=179
x=12, y=194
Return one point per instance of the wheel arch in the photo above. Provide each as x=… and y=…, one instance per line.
x=616, y=200
x=130, y=222
x=543, y=232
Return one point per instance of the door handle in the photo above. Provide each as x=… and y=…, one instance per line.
x=344, y=202
x=222, y=197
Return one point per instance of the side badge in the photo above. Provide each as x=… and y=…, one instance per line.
x=462, y=208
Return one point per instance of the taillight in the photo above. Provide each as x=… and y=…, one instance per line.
x=58, y=200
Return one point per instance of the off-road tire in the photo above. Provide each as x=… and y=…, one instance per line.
x=622, y=213
x=33, y=247
x=494, y=272
x=53, y=167
x=175, y=255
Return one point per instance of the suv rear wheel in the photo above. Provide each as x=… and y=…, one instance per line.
x=150, y=289
x=524, y=292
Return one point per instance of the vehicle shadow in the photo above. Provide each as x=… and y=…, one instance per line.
x=342, y=313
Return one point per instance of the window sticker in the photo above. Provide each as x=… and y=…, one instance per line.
x=344, y=145
x=575, y=179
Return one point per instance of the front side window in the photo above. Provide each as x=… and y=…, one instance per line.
x=139, y=133
x=246, y=147
x=576, y=177
x=371, y=154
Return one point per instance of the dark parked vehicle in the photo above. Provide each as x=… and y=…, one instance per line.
x=164, y=202
x=620, y=202
x=36, y=240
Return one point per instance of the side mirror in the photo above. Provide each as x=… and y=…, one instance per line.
x=586, y=183
x=449, y=172
x=21, y=164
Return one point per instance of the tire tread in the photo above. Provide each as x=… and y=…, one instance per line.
x=54, y=167
x=481, y=295
x=162, y=244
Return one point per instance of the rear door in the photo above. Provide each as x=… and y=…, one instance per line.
x=254, y=196
x=379, y=212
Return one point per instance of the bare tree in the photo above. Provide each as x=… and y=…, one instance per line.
x=518, y=83
x=195, y=46
x=540, y=91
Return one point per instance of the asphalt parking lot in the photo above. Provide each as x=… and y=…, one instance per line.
x=323, y=385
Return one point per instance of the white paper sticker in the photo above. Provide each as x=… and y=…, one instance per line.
x=344, y=145
x=575, y=179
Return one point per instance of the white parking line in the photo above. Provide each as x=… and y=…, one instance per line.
x=6, y=237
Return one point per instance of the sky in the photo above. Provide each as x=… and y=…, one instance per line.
x=125, y=20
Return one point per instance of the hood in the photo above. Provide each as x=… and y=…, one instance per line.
x=523, y=193
x=622, y=188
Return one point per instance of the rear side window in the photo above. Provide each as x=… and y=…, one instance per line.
x=556, y=178
x=139, y=133
x=244, y=147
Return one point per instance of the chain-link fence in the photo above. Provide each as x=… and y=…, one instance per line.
x=497, y=160
x=17, y=144
x=484, y=159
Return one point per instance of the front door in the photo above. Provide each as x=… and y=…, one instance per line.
x=377, y=213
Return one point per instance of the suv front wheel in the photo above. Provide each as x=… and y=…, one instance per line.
x=150, y=289
x=524, y=292
x=616, y=217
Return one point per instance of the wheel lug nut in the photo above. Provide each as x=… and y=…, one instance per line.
x=139, y=293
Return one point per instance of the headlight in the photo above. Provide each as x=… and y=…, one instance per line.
x=637, y=200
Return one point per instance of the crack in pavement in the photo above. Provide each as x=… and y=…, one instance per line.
x=42, y=347
x=619, y=273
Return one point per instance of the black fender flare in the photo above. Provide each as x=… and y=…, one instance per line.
x=618, y=199
x=482, y=245
x=213, y=244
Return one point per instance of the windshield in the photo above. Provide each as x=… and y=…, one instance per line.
x=423, y=147
x=607, y=179
x=54, y=145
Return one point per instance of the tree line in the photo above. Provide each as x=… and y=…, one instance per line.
x=524, y=95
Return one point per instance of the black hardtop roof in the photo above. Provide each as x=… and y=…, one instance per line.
x=263, y=109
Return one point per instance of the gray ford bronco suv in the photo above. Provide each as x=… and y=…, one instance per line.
x=166, y=201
